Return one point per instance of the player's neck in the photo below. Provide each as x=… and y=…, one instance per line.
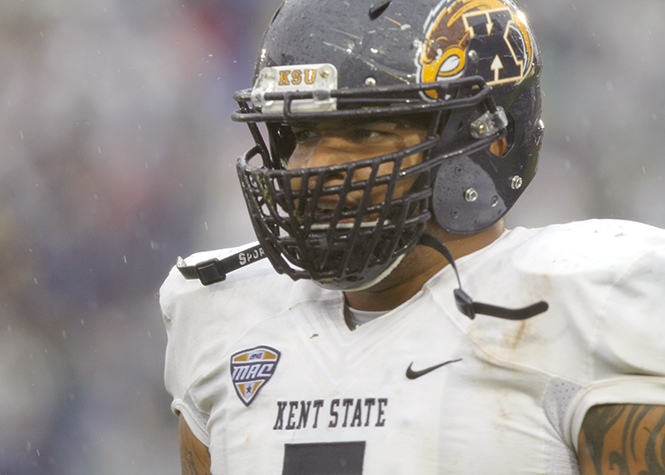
x=417, y=267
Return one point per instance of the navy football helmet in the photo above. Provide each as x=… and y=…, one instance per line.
x=469, y=68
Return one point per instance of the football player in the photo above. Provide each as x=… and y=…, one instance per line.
x=386, y=322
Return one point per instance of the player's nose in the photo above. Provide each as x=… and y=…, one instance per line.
x=326, y=151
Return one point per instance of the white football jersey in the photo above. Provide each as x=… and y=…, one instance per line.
x=270, y=378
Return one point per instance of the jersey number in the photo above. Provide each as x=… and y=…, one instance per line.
x=337, y=458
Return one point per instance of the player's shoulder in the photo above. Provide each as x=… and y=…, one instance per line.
x=253, y=289
x=580, y=262
x=597, y=277
x=585, y=245
x=594, y=231
x=252, y=283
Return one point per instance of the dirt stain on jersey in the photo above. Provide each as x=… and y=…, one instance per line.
x=515, y=337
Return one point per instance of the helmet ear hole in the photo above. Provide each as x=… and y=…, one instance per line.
x=500, y=147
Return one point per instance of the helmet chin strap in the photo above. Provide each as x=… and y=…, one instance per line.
x=465, y=303
x=215, y=270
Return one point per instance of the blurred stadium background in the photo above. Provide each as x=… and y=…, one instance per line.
x=118, y=155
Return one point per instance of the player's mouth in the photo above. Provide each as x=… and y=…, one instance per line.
x=325, y=210
x=327, y=205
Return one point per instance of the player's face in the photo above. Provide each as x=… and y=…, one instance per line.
x=335, y=142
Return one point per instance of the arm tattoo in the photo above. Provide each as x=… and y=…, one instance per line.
x=192, y=460
x=625, y=439
x=188, y=462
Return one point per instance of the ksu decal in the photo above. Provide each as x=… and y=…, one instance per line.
x=297, y=76
x=251, y=370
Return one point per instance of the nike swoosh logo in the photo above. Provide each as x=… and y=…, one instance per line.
x=411, y=374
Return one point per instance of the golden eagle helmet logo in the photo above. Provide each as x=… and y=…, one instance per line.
x=503, y=53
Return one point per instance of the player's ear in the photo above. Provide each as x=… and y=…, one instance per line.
x=499, y=148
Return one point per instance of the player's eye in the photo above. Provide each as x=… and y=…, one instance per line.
x=366, y=134
x=305, y=135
